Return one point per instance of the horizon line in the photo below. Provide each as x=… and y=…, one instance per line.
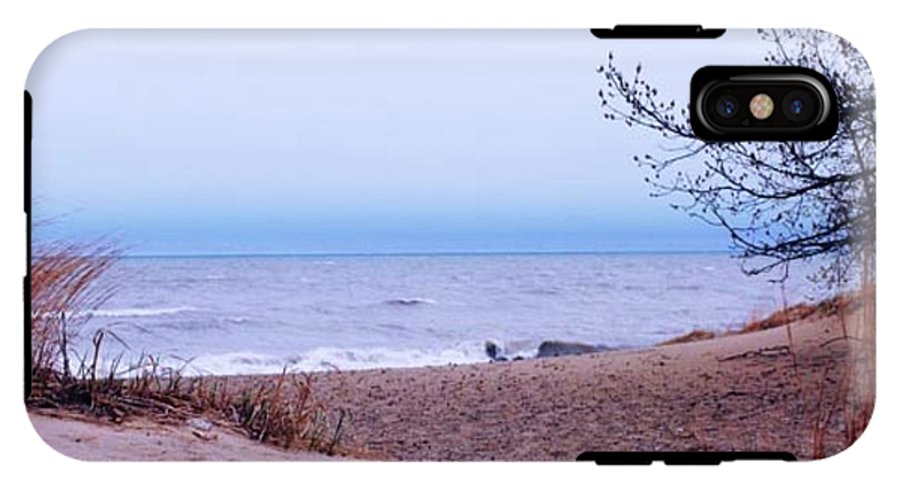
x=290, y=254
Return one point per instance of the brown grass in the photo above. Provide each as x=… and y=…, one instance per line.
x=695, y=335
x=783, y=317
x=286, y=413
x=66, y=287
x=797, y=313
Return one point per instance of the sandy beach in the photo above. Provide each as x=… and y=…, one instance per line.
x=739, y=392
x=143, y=439
x=733, y=392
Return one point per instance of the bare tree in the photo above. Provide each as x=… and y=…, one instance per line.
x=780, y=202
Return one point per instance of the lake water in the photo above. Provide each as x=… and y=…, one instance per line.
x=258, y=314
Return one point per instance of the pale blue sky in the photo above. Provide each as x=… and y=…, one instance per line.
x=353, y=141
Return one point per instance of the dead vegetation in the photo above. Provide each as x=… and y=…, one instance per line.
x=65, y=287
x=64, y=284
x=782, y=317
x=695, y=335
x=798, y=312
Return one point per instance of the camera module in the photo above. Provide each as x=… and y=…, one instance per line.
x=762, y=103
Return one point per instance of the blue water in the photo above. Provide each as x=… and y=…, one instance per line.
x=231, y=315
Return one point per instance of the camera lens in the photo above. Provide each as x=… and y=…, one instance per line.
x=727, y=106
x=799, y=106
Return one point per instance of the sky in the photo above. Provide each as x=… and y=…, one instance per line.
x=207, y=142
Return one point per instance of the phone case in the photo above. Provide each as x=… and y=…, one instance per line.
x=441, y=245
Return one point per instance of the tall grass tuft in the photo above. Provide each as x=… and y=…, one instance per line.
x=66, y=287
x=286, y=413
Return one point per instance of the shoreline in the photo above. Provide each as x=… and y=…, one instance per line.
x=763, y=390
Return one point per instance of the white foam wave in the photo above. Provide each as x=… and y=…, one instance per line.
x=139, y=311
x=329, y=358
x=237, y=320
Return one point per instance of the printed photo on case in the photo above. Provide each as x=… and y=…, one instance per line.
x=440, y=245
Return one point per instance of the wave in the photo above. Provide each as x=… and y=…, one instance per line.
x=410, y=301
x=139, y=311
x=325, y=359
x=236, y=319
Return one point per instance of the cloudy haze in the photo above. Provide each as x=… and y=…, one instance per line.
x=351, y=141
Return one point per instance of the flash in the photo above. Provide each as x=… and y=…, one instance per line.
x=762, y=106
